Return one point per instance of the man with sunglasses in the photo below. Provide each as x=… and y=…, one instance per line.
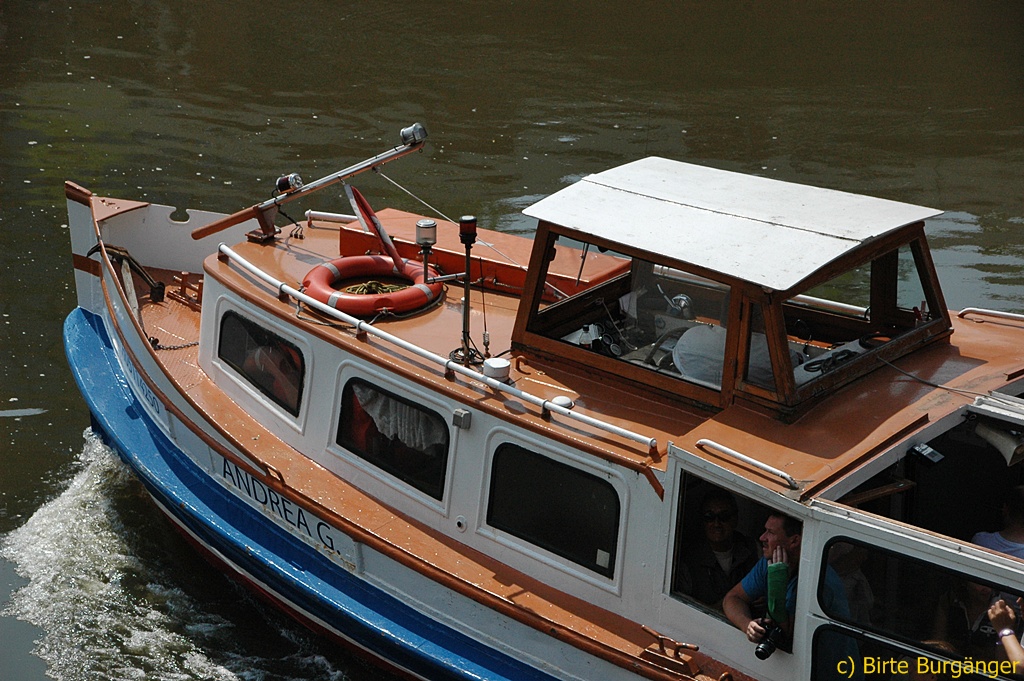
x=723, y=557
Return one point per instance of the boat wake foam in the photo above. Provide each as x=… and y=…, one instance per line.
x=103, y=573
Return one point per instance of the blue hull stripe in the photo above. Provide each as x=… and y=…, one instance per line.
x=292, y=570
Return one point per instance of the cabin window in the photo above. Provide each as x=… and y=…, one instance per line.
x=915, y=602
x=840, y=654
x=271, y=364
x=394, y=434
x=960, y=485
x=953, y=485
x=759, y=369
x=560, y=508
x=715, y=542
x=869, y=305
x=652, y=316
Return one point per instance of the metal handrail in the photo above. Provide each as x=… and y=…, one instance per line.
x=990, y=313
x=829, y=305
x=448, y=364
x=704, y=442
x=328, y=217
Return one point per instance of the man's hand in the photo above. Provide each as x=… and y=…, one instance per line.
x=1001, y=615
x=755, y=631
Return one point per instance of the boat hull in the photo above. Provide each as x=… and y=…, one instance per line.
x=253, y=549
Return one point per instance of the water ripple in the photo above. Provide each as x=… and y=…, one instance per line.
x=110, y=587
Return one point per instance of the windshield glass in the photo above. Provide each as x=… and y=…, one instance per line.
x=663, y=319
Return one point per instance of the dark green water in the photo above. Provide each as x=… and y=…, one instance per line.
x=204, y=104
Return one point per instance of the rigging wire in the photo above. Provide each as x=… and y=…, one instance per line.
x=508, y=258
x=401, y=188
x=961, y=391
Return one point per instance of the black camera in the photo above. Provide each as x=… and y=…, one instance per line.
x=773, y=638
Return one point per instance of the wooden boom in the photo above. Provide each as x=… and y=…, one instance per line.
x=413, y=139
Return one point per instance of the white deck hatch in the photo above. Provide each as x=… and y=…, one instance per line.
x=768, y=232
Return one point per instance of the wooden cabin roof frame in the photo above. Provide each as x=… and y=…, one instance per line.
x=788, y=400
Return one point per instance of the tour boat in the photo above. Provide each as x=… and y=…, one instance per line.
x=467, y=454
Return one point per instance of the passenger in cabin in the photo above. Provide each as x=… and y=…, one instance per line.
x=780, y=543
x=961, y=620
x=722, y=557
x=847, y=559
x=1010, y=539
x=1004, y=619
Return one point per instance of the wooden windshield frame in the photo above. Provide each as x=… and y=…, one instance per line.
x=786, y=400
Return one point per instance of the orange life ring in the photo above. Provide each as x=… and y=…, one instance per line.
x=319, y=284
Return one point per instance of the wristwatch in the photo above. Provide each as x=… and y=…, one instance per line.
x=1005, y=632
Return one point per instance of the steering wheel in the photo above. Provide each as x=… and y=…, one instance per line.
x=668, y=335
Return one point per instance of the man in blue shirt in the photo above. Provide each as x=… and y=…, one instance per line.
x=780, y=543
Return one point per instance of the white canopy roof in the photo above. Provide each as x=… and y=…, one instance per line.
x=760, y=230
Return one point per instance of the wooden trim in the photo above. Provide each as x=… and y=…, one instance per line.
x=526, y=338
x=882, y=296
x=737, y=328
x=894, y=349
x=594, y=363
x=84, y=264
x=932, y=287
x=900, y=485
x=864, y=254
x=536, y=274
x=778, y=345
x=77, y=193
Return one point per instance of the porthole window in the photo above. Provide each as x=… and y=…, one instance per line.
x=395, y=435
x=271, y=364
x=562, y=509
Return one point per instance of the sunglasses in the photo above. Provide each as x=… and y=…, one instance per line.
x=723, y=517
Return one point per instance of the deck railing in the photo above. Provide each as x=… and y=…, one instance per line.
x=449, y=365
x=990, y=313
x=705, y=442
